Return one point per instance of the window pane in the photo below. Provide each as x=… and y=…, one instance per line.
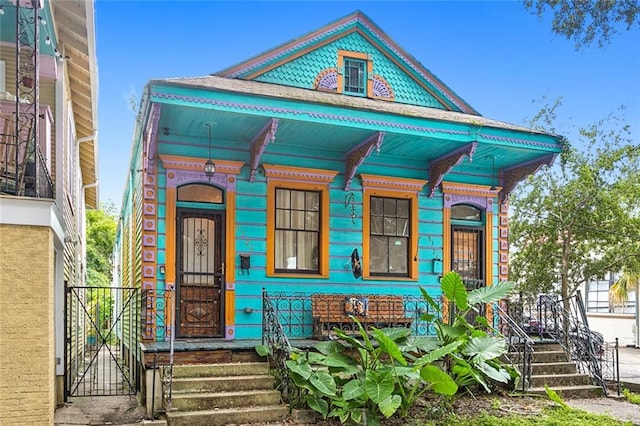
x=307, y=251
x=200, y=193
x=389, y=226
x=297, y=200
x=376, y=225
x=398, y=255
x=285, y=254
x=313, y=201
x=378, y=260
x=282, y=198
x=390, y=207
x=282, y=219
x=403, y=208
x=313, y=221
x=297, y=219
x=403, y=227
x=465, y=212
x=376, y=205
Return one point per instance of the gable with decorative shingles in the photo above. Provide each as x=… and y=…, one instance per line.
x=351, y=49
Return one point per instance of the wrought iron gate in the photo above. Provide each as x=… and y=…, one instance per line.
x=101, y=334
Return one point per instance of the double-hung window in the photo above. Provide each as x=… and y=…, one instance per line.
x=297, y=233
x=390, y=227
x=390, y=231
x=297, y=221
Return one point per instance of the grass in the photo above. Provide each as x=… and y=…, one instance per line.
x=633, y=398
x=550, y=416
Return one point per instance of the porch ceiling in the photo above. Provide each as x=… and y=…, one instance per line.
x=184, y=125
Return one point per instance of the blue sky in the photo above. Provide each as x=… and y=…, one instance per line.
x=496, y=55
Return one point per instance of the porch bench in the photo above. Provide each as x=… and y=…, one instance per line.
x=331, y=311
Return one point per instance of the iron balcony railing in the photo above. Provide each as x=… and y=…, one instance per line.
x=23, y=170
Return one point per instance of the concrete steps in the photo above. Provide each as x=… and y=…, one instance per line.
x=221, y=394
x=552, y=367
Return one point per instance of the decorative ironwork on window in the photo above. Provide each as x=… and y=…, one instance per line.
x=355, y=76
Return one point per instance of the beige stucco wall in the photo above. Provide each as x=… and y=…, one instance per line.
x=27, y=350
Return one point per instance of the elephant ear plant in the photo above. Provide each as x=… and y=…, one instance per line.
x=382, y=372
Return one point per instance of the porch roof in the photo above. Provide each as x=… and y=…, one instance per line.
x=337, y=128
x=211, y=82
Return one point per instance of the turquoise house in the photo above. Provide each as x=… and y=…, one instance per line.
x=332, y=164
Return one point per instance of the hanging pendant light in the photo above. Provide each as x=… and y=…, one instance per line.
x=209, y=165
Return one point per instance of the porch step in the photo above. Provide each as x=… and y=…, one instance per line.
x=264, y=414
x=549, y=356
x=566, y=392
x=204, y=401
x=564, y=367
x=222, y=384
x=224, y=393
x=555, y=380
x=220, y=370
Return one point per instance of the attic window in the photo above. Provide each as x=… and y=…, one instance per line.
x=355, y=70
x=355, y=76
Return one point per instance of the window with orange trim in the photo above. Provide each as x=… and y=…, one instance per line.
x=390, y=227
x=389, y=236
x=297, y=221
x=355, y=70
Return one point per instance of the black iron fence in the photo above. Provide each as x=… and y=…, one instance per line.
x=102, y=351
x=290, y=316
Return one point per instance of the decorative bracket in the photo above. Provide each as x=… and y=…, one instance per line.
x=150, y=142
x=356, y=156
x=259, y=143
x=439, y=167
x=512, y=175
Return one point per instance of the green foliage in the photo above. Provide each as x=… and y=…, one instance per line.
x=633, y=398
x=578, y=220
x=550, y=416
x=553, y=395
x=386, y=371
x=588, y=21
x=101, y=233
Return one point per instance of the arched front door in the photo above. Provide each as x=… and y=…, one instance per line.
x=200, y=273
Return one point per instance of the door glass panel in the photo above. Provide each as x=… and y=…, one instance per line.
x=198, y=250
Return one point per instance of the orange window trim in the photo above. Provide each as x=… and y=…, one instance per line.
x=342, y=54
x=298, y=178
x=478, y=191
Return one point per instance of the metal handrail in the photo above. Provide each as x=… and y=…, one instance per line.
x=277, y=342
x=520, y=345
x=569, y=327
x=148, y=301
